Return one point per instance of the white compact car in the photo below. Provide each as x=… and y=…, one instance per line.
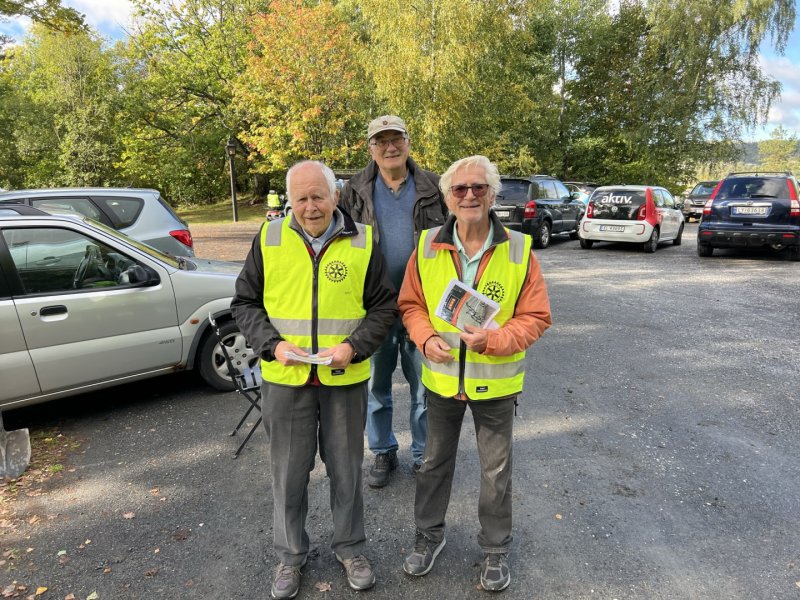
x=632, y=213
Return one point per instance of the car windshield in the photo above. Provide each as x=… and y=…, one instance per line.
x=513, y=191
x=704, y=188
x=754, y=187
x=157, y=254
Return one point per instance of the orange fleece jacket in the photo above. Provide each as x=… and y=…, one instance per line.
x=531, y=315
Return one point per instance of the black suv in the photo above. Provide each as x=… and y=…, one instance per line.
x=697, y=198
x=752, y=209
x=540, y=206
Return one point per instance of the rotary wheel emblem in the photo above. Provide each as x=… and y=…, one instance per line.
x=336, y=271
x=494, y=291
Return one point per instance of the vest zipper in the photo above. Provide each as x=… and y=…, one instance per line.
x=315, y=300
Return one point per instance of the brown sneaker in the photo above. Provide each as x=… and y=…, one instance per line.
x=360, y=575
x=287, y=581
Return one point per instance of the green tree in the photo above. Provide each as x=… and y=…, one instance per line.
x=61, y=92
x=779, y=152
x=301, y=89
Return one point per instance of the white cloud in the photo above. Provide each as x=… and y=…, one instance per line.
x=786, y=111
x=103, y=12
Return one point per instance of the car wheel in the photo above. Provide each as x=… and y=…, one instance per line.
x=574, y=235
x=704, y=250
x=213, y=367
x=651, y=244
x=586, y=244
x=677, y=240
x=794, y=253
x=543, y=239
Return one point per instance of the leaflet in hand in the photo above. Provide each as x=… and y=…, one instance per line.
x=311, y=359
x=461, y=305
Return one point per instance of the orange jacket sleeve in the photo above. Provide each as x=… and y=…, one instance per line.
x=531, y=316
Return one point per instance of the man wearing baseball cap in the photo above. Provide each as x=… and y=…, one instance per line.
x=399, y=200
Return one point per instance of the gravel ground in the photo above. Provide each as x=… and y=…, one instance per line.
x=655, y=445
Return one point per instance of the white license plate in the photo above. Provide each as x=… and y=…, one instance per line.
x=502, y=213
x=612, y=228
x=749, y=210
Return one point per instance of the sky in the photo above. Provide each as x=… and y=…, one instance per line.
x=111, y=16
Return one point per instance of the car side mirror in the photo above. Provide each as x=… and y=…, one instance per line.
x=138, y=275
x=575, y=195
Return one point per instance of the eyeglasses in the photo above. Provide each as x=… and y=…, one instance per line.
x=478, y=190
x=396, y=142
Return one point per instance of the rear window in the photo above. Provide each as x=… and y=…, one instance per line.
x=125, y=210
x=704, y=188
x=754, y=187
x=513, y=192
x=617, y=204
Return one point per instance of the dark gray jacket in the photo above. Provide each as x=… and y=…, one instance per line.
x=380, y=299
x=429, y=207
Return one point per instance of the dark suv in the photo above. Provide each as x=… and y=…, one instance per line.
x=540, y=206
x=752, y=209
x=693, y=206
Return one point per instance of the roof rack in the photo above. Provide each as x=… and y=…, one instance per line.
x=23, y=209
x=787, y=173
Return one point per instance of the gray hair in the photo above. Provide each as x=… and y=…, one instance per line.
x=326, y=171
x=492, y=174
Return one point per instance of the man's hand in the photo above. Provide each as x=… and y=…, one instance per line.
x=475, y=338
x=436, y=350
x=280, y=354
x=342, y=355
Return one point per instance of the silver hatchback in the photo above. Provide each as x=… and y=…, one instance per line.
x=83, y=307
x=141, y=214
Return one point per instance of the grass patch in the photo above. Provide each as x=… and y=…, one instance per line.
x=222, y=212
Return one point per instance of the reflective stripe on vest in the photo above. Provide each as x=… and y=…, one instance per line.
x=483, y=377
x=296, y=284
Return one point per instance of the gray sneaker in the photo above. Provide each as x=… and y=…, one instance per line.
x=360, y=575
x=420, y=561
x=287, y=581
x=495, y=575
x=379, y=473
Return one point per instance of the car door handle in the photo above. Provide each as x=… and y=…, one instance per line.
x=48, y=260
x=50, y=311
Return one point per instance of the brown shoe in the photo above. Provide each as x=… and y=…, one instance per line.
x=360, y=575
x=287, y=581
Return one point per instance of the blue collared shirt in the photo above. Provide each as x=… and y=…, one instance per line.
x=317, y=243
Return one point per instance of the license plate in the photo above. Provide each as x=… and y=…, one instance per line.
x=611, y=228
x=749, y=210
x=502, y=213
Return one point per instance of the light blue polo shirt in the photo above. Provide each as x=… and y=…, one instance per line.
x=469, y=266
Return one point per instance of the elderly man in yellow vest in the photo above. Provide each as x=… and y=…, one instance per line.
x=482, y=368
x=315, y=284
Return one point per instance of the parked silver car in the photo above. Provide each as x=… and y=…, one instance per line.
x=83, y=307
x=141, y=214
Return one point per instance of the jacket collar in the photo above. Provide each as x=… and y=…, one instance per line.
x=444, y=240
x=363, y=182
x=345, y=226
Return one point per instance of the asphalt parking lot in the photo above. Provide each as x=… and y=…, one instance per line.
x=656, y=456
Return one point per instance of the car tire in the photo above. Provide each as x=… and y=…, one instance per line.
x=704, y=250
x=651, y=244
x=542, y=240
x=586, y=244
x=574, y=235
x=794, y=253
x=677, y=240
x=212, y=362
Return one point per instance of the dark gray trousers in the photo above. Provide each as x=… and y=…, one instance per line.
x=294, y=419
x=494, y=427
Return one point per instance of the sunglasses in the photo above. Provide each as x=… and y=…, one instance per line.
x=479, y=190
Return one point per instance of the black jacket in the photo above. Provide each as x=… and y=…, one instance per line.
x=430, y=209
x=380, y=299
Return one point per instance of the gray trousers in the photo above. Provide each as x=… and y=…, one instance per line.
x=294, y=419
x=494, y=427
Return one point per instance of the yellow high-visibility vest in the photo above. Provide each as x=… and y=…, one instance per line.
x=478, y=376
x=314, y=303
x=273, y=201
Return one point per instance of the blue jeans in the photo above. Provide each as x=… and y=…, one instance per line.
x=379, y=409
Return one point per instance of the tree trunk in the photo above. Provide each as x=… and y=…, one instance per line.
x=260, y=184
